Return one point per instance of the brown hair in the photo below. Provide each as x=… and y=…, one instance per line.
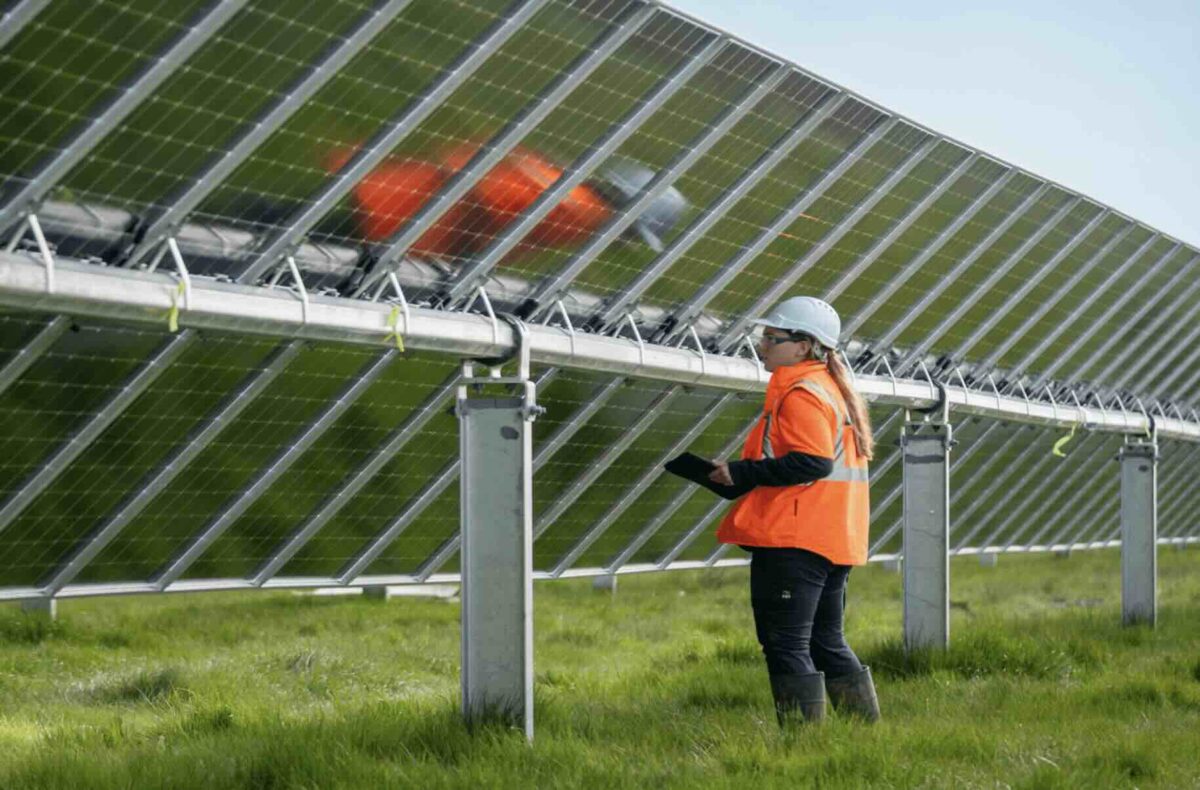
x=860, y=418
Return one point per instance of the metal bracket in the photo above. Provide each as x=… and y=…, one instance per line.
x=31, y=222
x=289, y=266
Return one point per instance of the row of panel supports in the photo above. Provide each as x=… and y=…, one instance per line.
x=497, y=483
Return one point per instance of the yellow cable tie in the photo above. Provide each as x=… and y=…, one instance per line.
x=173, y=312
x=393, y=334
x=1061, y=443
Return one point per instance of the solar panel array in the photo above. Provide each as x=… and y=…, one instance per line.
x=373, y=145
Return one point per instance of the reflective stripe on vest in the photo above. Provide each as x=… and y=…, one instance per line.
x=842, y=472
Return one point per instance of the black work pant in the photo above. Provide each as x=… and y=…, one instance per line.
x=799, y=600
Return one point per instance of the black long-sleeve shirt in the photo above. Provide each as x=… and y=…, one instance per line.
x=788, y=470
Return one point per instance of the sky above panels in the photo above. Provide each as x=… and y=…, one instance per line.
x=1101, y=96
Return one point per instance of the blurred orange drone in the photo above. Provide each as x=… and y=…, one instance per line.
x=387, y=197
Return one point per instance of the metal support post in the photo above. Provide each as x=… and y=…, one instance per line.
x=555, y=443
x=41, y=607
x=987, y=559
x=496, y=506
x=1139, y=531
x=926, y=448
x=973, y=446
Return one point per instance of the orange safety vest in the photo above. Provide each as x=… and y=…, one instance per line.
x=831, y=516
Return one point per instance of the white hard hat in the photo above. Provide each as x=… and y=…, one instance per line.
x=806, y=314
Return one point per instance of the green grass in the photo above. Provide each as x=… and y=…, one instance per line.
x=660, y=685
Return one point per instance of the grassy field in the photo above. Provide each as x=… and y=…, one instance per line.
x=661, y=685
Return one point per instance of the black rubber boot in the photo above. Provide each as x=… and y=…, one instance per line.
x=854, y=694
x=799, y=697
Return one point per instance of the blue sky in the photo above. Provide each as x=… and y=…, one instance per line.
x=1102, y=96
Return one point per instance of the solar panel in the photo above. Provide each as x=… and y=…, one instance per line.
x=635, y=185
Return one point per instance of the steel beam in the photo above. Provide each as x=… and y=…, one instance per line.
x=82, y=439
x=27, y=198
x=684, y=316
x=619, y=305
x=416, y=421
x=1080, y=309
x=926, y=254
x=387, y=140
x=647, y=479
x=960, y=267
x=1139, y=532
x=962, y=307
x=475, y=272
x=1100, y=323
x=18, y=17
x=503, y=143
x=254, y=386
x=33, y=351
x=1031, y=282
x=926, y=449
x=555, y=286
x=1119, y=348
x=279, y=467
x=737, y=327
x=95, y=291
x=1046, y=306
x=293, y=98
x=449, y=474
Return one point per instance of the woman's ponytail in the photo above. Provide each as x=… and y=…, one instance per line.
x=860, y=418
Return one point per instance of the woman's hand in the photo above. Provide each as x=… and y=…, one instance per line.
x=721, y=475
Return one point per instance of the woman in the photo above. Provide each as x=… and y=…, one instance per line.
x=806, y=515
